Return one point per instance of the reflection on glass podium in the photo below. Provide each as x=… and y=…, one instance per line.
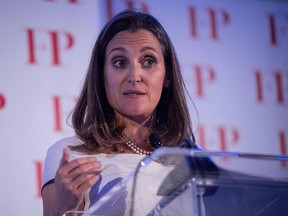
x=177, y=181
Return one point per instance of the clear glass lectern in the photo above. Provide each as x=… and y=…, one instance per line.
x=177, y=181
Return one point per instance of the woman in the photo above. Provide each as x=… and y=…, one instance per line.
x=133, y=88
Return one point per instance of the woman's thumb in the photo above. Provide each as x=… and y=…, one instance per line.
x=65, y=156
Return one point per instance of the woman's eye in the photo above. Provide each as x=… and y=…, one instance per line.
x=148, y=62
x=119, y=63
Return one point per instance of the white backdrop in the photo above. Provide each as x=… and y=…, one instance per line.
x=234, y=58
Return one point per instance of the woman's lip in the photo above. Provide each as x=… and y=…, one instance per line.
x=134, y=92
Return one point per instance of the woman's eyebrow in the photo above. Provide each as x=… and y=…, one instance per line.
x=121, y=49
x=143, y=49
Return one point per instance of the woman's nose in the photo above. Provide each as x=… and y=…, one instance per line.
x=134, y=73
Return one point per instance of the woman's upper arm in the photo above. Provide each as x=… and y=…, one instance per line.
x=48, y=196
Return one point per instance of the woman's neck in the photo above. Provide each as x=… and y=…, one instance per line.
x=137, y=131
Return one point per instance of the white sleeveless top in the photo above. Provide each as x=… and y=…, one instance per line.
x=116, y=169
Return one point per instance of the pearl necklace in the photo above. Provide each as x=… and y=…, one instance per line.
x=136, y=148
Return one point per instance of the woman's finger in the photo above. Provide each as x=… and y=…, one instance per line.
x=88, y=183
x=88, y=168
x=80, y=178
x=65, y=157
x=79, y=165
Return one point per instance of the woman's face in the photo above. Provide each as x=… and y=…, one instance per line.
x=134, y=74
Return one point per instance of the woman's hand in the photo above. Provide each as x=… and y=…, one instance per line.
x=72, y=181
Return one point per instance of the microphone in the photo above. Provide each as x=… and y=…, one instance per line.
x=154, y=140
